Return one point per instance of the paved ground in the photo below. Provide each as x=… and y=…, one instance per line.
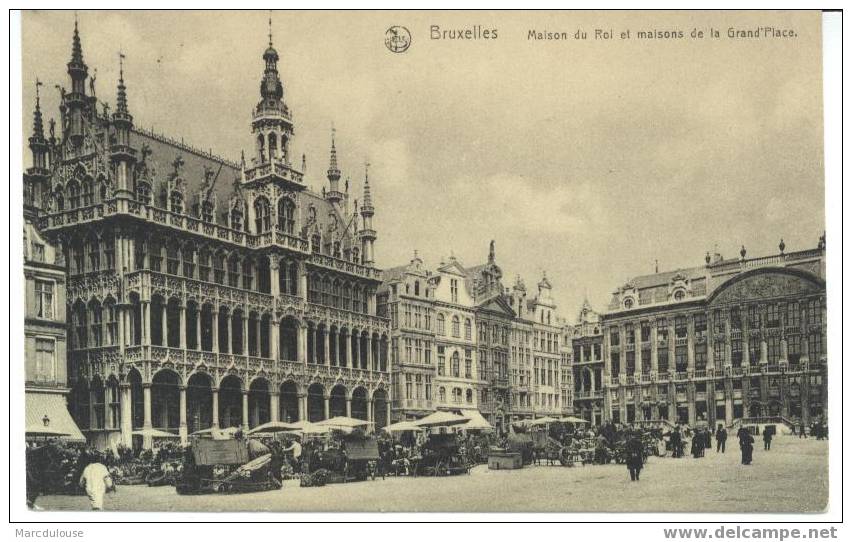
x=792, y=477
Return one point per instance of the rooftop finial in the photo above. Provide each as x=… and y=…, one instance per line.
x=38, y=124
x=270, y=29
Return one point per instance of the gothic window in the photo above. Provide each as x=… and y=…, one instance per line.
x=143, y=193
x=60, y=200
x=336, y=249
x=176, y=202
x=109, y=251
x=94, y=253
x=793, y=319
x=73, y=194
x=773, y=318
x=172, y=258
x=286, y=216
x=326, y=291
x=680, y=327
x=315, y=244
x=347, y=294
x=313, y=289
x=111, y=323
x=234, y=271
x=335, y=294
x=248, y=277
x=237, y=217
x=356, y=296
x=356, y=255
x=468, y=330
x=88, y=192
x=219, y=269
x=187, y=253
x=207, y=211
x=261, y=215
x=441, y=322
x=96, y=329
x=469, y=396
x=204, y=265
x=456, y=327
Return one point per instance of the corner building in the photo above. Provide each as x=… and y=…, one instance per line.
x=204, y=292
x=729, y=341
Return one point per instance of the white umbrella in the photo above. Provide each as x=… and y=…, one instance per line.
x=273, y=427
x=543, y=421
x=477, y=421
x=309, y=428
x=398, y=427
x=441, y=419
x=343, y=422
x=573, y=419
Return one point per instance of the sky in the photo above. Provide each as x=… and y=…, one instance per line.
x=585, y=159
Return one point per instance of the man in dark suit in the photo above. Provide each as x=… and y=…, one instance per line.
x=721, y=437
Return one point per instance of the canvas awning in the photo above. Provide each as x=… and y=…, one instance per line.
x=441, y=419
x=343, y=422
x=154, y=433
x=53, y=407
x=477, y=420
x=399, y=427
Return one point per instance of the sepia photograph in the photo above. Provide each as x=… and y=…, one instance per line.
x=422, y=261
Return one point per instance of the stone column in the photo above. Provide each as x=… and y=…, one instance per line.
x=146, y=322
x=764, y=359
x=215, y=419
x=274, y=407
x=325, y=342
x=302, y=354
x=326, y=407
x=245, y=332
x=388, y=411
x=370, y=352
x=164, y=321
x=147, y=441
x=370, y=415
x=301, y=403
x=274, y=340
x=690, y=345
x=215, y=325
x=245, y=411
x=348, y=407
x=654, y=347
x=182, y=431
x=257, y=327
x=126, y=402
x=727, y=362
x=197, y=327
x=637, y=352
x=337, y=348
x=784, y=349
x=182, y=326
x=273, y=276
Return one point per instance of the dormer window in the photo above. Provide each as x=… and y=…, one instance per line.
x=207, y=211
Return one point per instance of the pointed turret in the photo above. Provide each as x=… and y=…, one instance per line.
x=272, y=129
x=121, y=152
x=333, y=195
x=38, y=144
x=75, y=101
x=368, y=234
x=36, y=177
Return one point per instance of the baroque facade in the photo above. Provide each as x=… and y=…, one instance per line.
x=585, y=344
x=730, y=340
x=204, y=292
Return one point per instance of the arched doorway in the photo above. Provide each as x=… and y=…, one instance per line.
x=288, y=405
x=258, y=399
x=199, y=402
x=380, y=408
x=359, y=403
x=165, y=401
x=230, y=402
x=316, y=403
x=337, y=402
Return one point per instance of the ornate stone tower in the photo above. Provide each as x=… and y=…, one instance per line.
x=75, y=102
x=368, y=234
x=122, y=154
x=333, y=195
x=36, y=178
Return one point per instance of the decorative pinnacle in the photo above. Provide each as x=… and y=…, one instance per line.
x=38, y=124
x=76, y=48
x=367, y=204
x=333, y=171
x=121, y=100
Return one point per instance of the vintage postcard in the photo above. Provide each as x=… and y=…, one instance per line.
x=423, y=261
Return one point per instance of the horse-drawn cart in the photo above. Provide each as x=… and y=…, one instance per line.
x=223, y=466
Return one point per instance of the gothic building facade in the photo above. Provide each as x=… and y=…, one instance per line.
x=729, y=340
x=204, y=292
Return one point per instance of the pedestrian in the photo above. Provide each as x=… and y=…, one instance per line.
x=708, y=439
x=96, y=480
x=746, y=447
x=767, y=438
x=721, y=438
x=634, y=451
x=677, y=443
x=697, y=445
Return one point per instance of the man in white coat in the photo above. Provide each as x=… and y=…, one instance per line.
x=96, y=480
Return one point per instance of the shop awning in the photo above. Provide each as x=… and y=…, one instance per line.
x=50, y=407
x=477, y=420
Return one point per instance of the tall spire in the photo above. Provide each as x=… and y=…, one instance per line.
x=367, y=201
x=333, y=172
x=77, y=68
x=271, y=87
x=38, y=123
x=121, y=99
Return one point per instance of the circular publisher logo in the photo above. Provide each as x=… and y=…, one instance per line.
x=397, y=39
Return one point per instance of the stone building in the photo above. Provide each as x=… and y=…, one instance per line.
x=407, y=298
x=45, y=368
x=587, y=364
x=202, y=291
x=730, y=340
